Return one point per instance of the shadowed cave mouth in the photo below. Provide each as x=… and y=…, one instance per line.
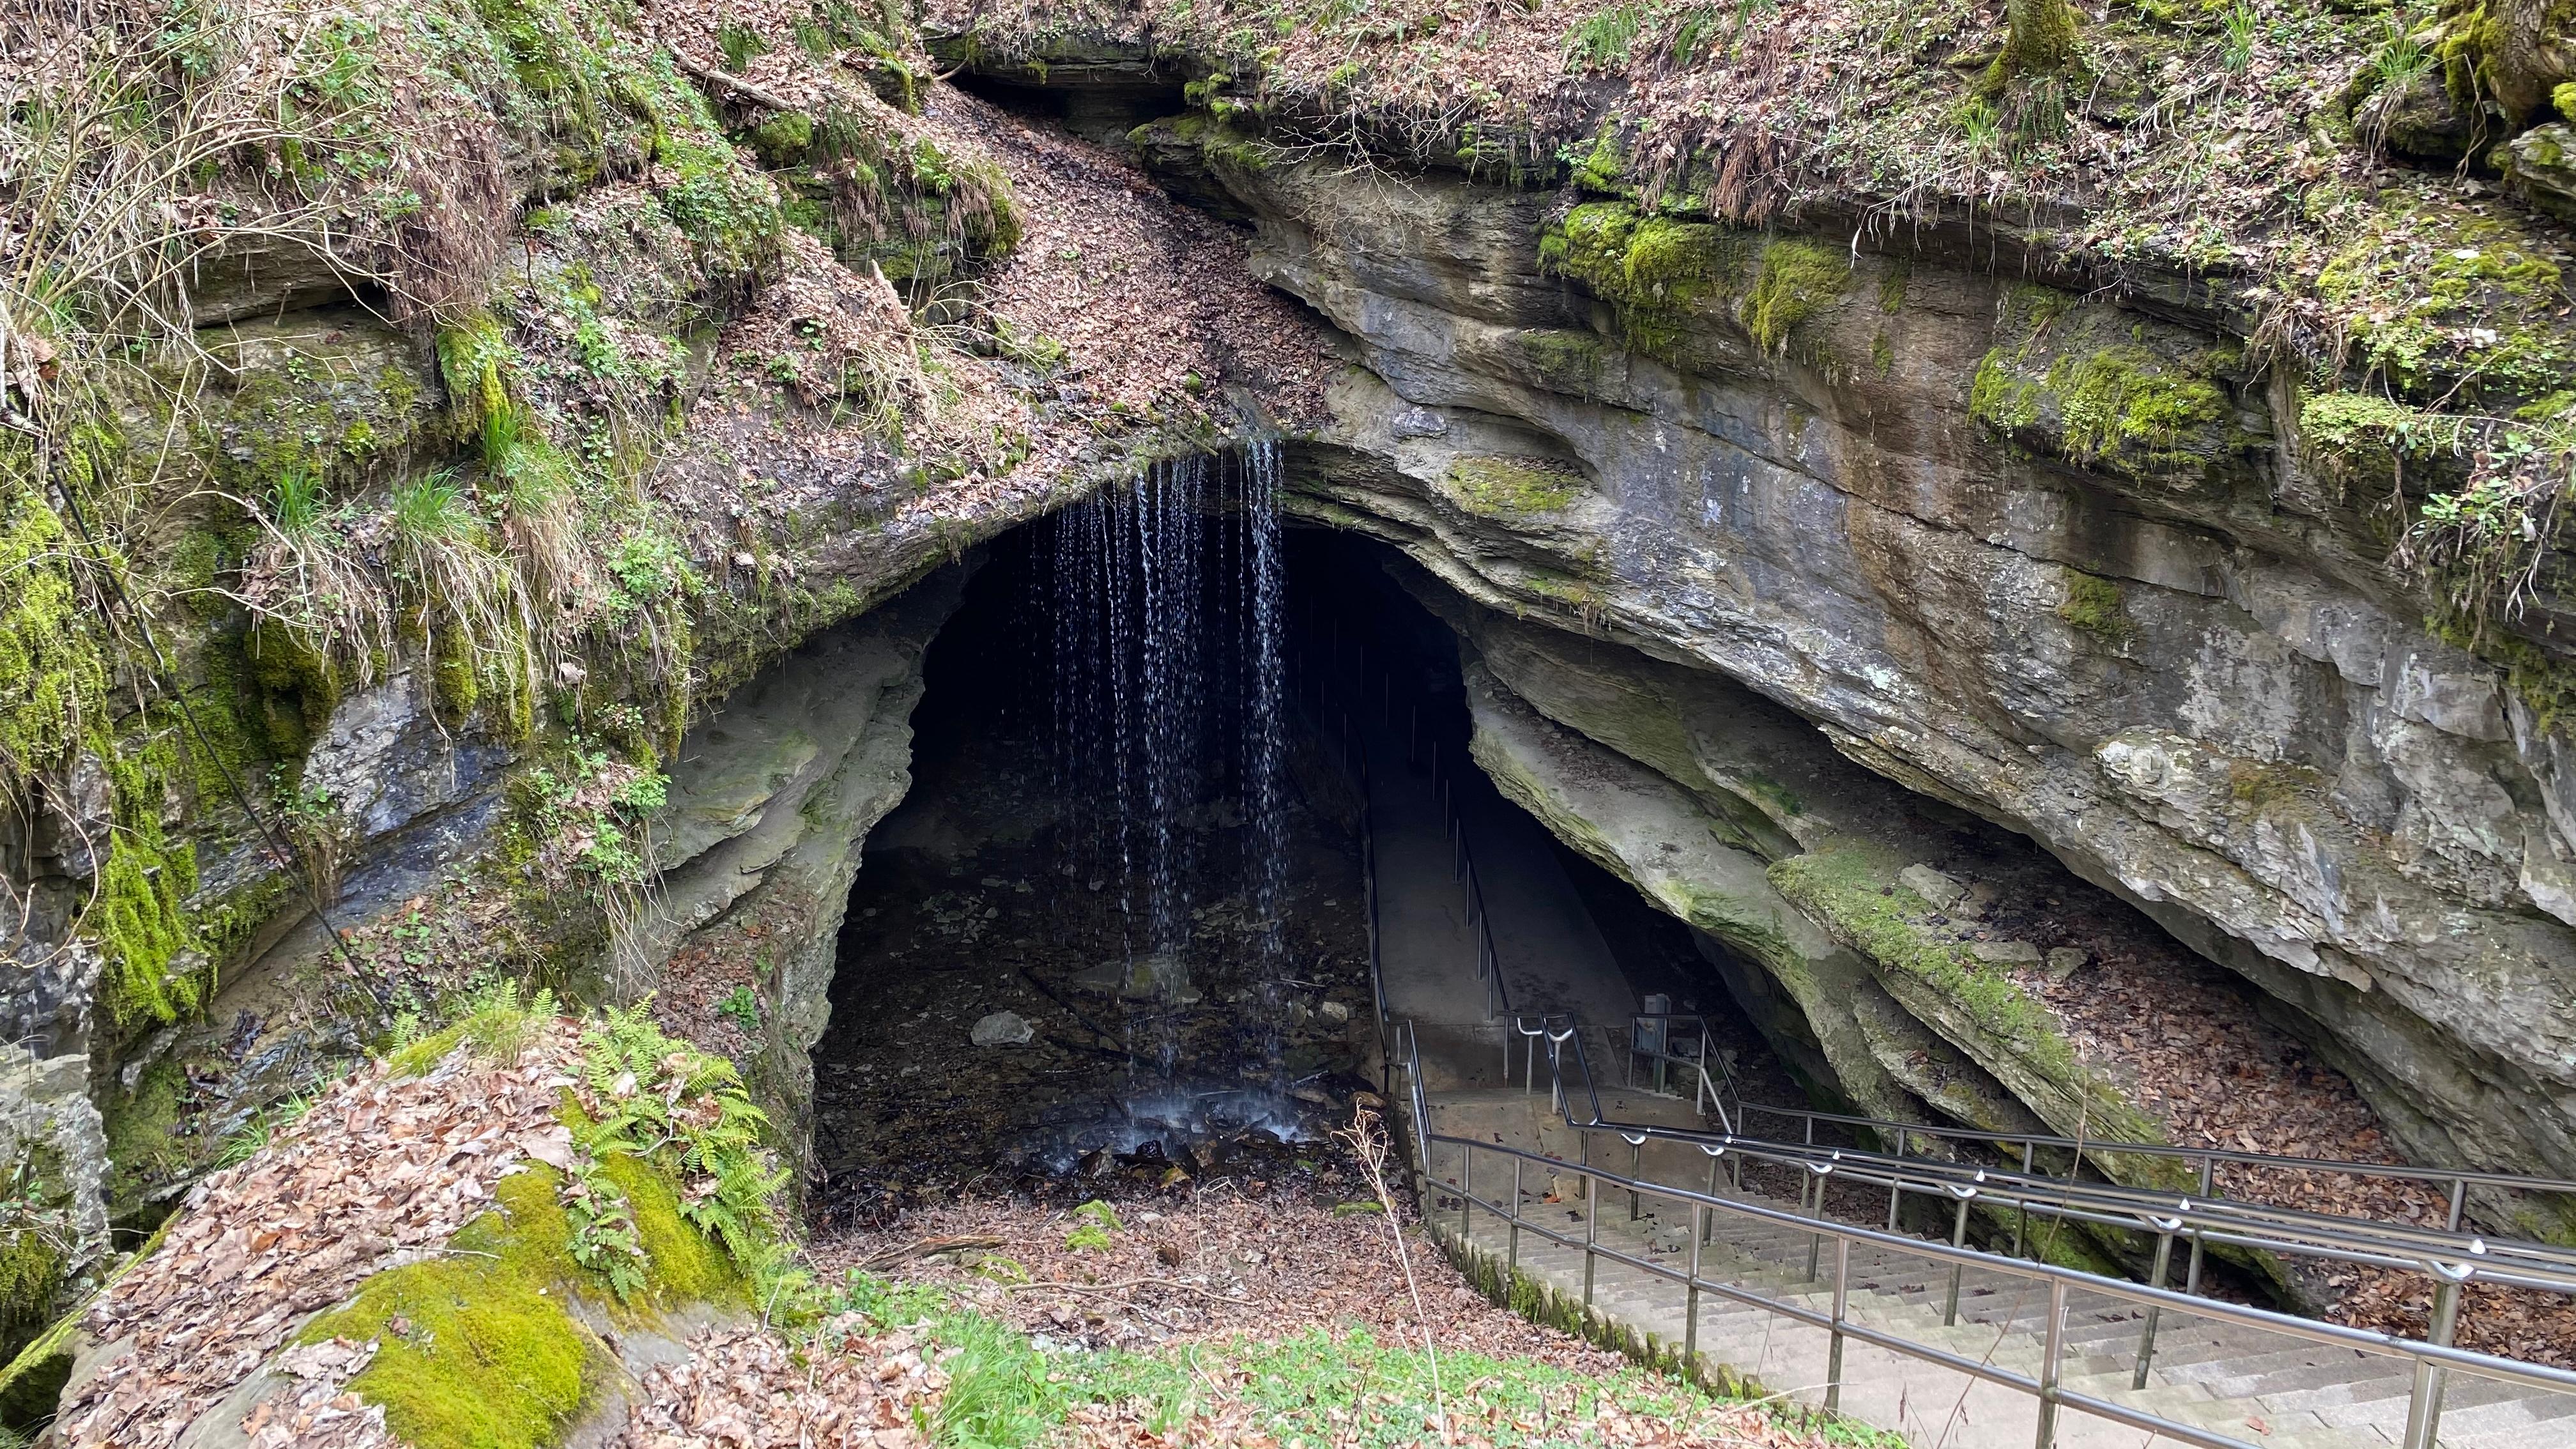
x=1128, y=861
x=1125, y=831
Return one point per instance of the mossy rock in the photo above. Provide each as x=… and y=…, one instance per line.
x=1559, y=359
x=1796, y=280
x=2094, y=605
x=1670, y=278
x=495, y=1348
x=1496, y=486
x=2099, y=387
x=479, y=1347
x=1662, y=275
x=2440, y=296
x=333, y=395
x=1853, y=893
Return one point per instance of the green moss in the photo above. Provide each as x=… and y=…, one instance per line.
x=783, y=140
x=2540, y=678
x=730, y=213
x=144, y=1149
x=31, y=1275
x=2097, y=385
x=2127, y=397
x=1842, y=890
x=307, y=407
x=683, y=1265
x=2093, y=604
x=1561, y=358
x=1796, y=279
x=1599, y=168
x=1499, y=487
x=53, y=670
x=1655, y=270
x=1892, y=287
x=2432, y=291
x=2355, y=422
x=429, y=1051
x=140, y=918
x=489, y=1355
x=1882, y=354
x=471, y=354
x=2039, y=37
x=296, y=678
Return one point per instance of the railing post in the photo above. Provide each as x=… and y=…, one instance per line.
x=1690, y=1299
x=2155, y=1279
x=2049, y=1362
x=1636, y=1172
x=1816, y=1241
x=1512, y=1253
x=1958, y=1239
x=2424, y=1405
x=2191, y=1275
x=2021, y=1220
x=1834, y=1346
x=1591, y=1227
x=2459, y=1202
x=1466, y=1188
x=1708, y=1220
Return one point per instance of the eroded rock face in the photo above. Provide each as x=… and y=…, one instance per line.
x=2049, y=560
x=771, y=799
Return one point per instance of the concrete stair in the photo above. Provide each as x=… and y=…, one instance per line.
x=2233, y=1379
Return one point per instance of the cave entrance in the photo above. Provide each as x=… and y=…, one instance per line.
x=1117, y=927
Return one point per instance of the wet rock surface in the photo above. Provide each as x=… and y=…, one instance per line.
x=1192, y=1068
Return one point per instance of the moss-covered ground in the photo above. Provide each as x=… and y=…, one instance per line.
x=478, y=1348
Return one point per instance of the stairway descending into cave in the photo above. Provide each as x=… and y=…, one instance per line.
x=2235, y=1380
x=1453, y=1004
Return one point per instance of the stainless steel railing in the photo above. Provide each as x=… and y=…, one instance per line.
x=2197, y=1162
x=2432, y=1362
x=2503, y=1260
x=2203, y=1221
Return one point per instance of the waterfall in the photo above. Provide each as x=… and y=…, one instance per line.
x=1167, y=676
x=1265, y=732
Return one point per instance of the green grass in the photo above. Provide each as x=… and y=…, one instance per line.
x=1345, y=1387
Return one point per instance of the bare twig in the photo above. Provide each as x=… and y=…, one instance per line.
x=1368, y=1144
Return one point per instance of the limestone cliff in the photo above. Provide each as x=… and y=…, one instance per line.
x=2065, y=564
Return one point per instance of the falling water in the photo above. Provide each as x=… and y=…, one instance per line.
x=1152, y=587
x=1265, y=739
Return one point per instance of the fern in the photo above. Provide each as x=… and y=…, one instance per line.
x=663, y=1099
x=604, y=1236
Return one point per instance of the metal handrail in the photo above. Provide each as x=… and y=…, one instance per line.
x=2433, y=1361
x=2061, y=1281
x=2228, y=1155
x=2138, y=1199
x=1489, y=971
x=2210, y=1218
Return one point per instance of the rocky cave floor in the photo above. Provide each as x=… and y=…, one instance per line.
x=964, y=911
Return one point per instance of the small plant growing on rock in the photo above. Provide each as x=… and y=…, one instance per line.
x=744, y=1007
